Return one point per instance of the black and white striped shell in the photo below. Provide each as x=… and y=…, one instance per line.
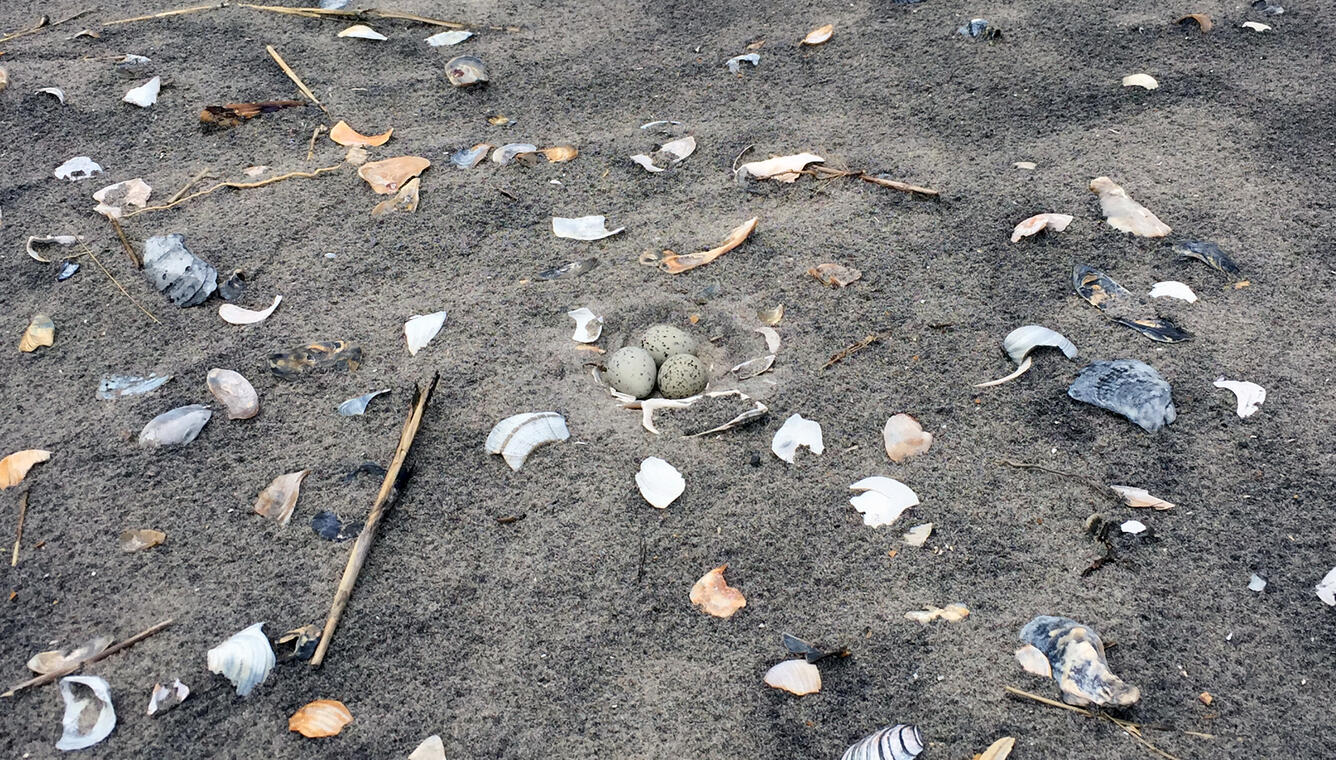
x=898, y=742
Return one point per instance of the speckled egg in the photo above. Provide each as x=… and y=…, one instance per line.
x=663, y=341
x=631, y=371
x=681, y=375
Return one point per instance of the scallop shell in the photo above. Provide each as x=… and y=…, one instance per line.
x=235, y=393
x=898, y=742
x=41, y=332
x=798, y=677
x=321, y=718
x=1038, y=222
x=73, y=736
x=1250, y=395
x=905, y=437
x=582, y=227
x=797, y=431
x=715, y=597
x=659, y=482
x=465, y=70
x=515, y=437
x=245, y=659
x=175, y=428
x=1076, y=655
x=421, y=328
x=588, y=325
x=1127, y=387
x=883, y=500
x=279, y=498
x=235, y=315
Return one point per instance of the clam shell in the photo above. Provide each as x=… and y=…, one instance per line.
x=363, y=32
x=582, y=227
x=898, y=742
x=431, y=748
x=779, y=168
x=1250, y=395
x=835, y=275
x=904, y=437
x=41, y=331
x=166, y=697
x=507, y=153
x=75, y=708
x=1140, y=80
x=1123, y=213
x=1326, y=588
x=515, y=437
x=797, y=431
x=917, y=535
x=714, y=596
x=54, y=92
x=175, y=428
x=1033, y=661
x=345, y=135
x=321, y=718
x=355, y=406
x=132, y=541
x=55, y=660
x=659, y=482
x=1127, y=387
x=452, y=37
x=145, y=94
x=465, y=70
x=36, y=246
x=1021, y=341
x=1076, y=655
x=14, y=468
x=421, y=328
x=279, y=498
x=883, y=500
x=560, y=154
x=245, y=659
x=798, y=677
x=588, y=325
x=235, y=315
x=386, y=177
x=467, y=158
x=1140, y=497
x=1032, y=226
x=235, y=393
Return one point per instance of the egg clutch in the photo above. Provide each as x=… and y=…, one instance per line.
x=666, y=357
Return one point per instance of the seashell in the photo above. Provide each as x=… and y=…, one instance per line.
x=771, y=338
x=819, y=35
x=515, y=437
x=659, y=482
x=421, y=328
x=1020, y=342
x=1127, y=387
x=56, y=661
x=797, y=431
x=234, y=392
x=904, y=437
x=36, y=245
x=1123, y=213
x=1139, y=497
x=1203, y=22
x=334, y=354
x=77, y=168
x=357, y=405
x=979, y=28
x=883, y=500
x=1076, y=655
x=41, y=331
x=677, y=263
x=175, y=428
x=1117, y=302
x=582, y=228
x=631, y=371
x=67, y=270
x=1038, y=222
x=54, y=92
x=1256, y=26
x=328, y=526
x=145, y=94
x=898, y=742
x=363, y=32
x=186, y=279
x=321, y=718
x=1033, y=661
x=772, y=315
x=560, y=154
x=14, y=468
x=304, y=640
x=406, y=200
x=233, y=287
x=573, y=269
x=798, y=677
x=120, y=386
x=735, y=63
x=753, y=367
x=431, y=748
x=132, y=541
x=999, y=750
x=1209, y=254
x=510, y=151
x=951, y=613
x=452, y=37
x=778, y=168
x=386, y=177
x=1256, y=583
x=245, y=659
x=668, y=155
x=588, y=325
x=467, y=158
x=345, y=135
x=235, y=315
x=1140, y=80
x=1326, y=588
x=1134, y=527
x=754, y=412
x=465, y=70
x=165, y=698
x=681, y=376
x=75, y=736
x=1250, y=395
x=715, y=597
x=917, y=535
x=278, y=499
x=112, y=200
x=1173, y=289
x=835, y=275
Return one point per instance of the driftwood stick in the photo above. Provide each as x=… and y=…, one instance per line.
x=368, y=535
x=189, y=184
x=125, y=243
x=18, y=532
x=42, y=25
x=166, y=14
x=1131, y=729
x=238, y=186
x=104, y=654
x=282, y=64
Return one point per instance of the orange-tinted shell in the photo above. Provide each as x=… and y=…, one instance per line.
x=386, y=177
x=343, y=134
x=714, y=596
x=321, y=718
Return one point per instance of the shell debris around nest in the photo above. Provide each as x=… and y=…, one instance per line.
x=659, y=482
x=797, y=431
x=588, y=325
x=175, y=428
x=515, y=437
x=234, y=392
x=245, y=658
x=898, y=742
x=77, y=733
x=279, y=498
x=882, y=500
x=1038, y=222
x=904, y=437
x=1250, y=396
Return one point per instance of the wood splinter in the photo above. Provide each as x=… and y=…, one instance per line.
x=104, y=654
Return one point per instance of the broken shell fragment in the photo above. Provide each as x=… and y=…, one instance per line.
x=77, y=168
x=1209, y=254
x=355, y=406
x=132, y=541
x=14, y=468
x=883, y=500
x=363, y=32
x=668, y=155
x=515, y=437
x=54, y=92
x=917, y=535
x=1020, y=342
x=904, y=437
x=715, y=597
x=1326, y=588
x=406, y=200
x=560, y=154
x=94, y=707
x=507, y=153
x=582, y=228
x=41, y=331
x=465, y=70
x=333, y=354
x=735, y=63
x=1123, y=213
x=835, y=275
x=234, y=392
x=797, y=431
x=659, y=482
x=467, y=158
x=1140, y=80
x=431, y=748
x=279, y=498
x=1203, y=22
x=56, y=661
x=245, y=659
x=1118, y=304
x=175, y=428
x=1173, y=289
x=452, y=37
x=1140, y=497
x=1256, y=26
x=113, y=200
x=778, y=168
x=36, y=246
x=588, y=325
x=677, y=263
x=1128, y=387
x=235, y=315
x=819, y=35
x=421, y=328
x=321, y=718
x=186, y=279
x=1038, y=222
x=145, y=94
x=1250, y=395
x=386, y=177
x=797, y=677
x=345, y=135
x=1076, y=655
x=1033, y=661
x=120, y=386
x=166, y=697
x=67, y=270
x=951, y=613
x=898, y=742
x=979, y=28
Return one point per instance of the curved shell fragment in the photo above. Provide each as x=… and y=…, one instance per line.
x=234, y=392
x=507, y=153
x=345, y=135
x=321, y=718
x=421, y=328
x=431, y=748
x=735, y=63
x=819, y=35
x=904, y=437
x=797, y=431
x=77, y=168
x=131, y=541
x=951, y=613
x=582, y=227
x=406, y=200
x=467, y=158
x=515, y=437
x=1032, y=226
x=37, y=245
x=363, y=32
x=1140, y=80
x=588, y=325
x=1140, y=497
x=235, y=315
x=1256, y=26
x=1033, y=661
x=166, y=697
x=1326, y=588
x=659, y=482
x=245, y=659
x=1128, y=387
x=798, y=677
x=714, y=596
x=41, y=331
x=74, y=735
x=386, y=177
x=55, y=661
x=778, y=168
x=357, y=405
x=882, y=500
x=14, y=468
x=145, y=94
x=1123, y=213
x=279, y=498
x=452, y=37
x=1173, y=289
x=54, y=92
x=113, y=200
x=677, y=263
x=898, y=742
x=176, y=427
x=1250, y=395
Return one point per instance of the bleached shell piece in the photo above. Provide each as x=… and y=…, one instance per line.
x=680, y=148
x=132, y=193
x=234, y=392
x=279, y=498
x=358, y=404
x=646, y=163
x=917, y=535
x=1173, y=289
x=951, y=613
x=54, y=92
x=1256, y=583
x=77, y=168
x=753, y=367
x=1033, y=661
x=798, y=677
x=452, y=37
x=515, y=437
x=1140, y=497
x=55, y=660
x=1326, y=588
x=771, y=338
x=235, y=315
x=507, y=153
x=904, y=437
x=779, y=168
x=659, y=482
x=363, y=32
x=175, y=428
x=41, y=331
x=431, y=748
x=883, y=500
x=1250, y=395
x=1021, y=341
x=145, y=94
x=166, y=697
x=898, y=742
x=1124, y=214
x=1140, y=80
x=735, y=63
x=819, y=35
x=797, y=431
x=1256, y=26
x=245, y=659
x=582, y=227
x=588, y=325
x=1134, y=527
x=36, y=245
x=421, y=328
x=14, y=468
x=1032, y=226
x=73, y=738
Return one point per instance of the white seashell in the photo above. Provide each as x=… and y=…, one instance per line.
x=917, y=535
x=175, y=428
x=659, y=482
x=898, y=742
x=883, y=500
x=794, y=676
x=77, y=168
x=771, y=338
x=680, y=148
x=54, y=92
x=1133, y=527
x=735, y=63
x=362, y=32
x=588, y=325
x=753, y=367
x=355, y=406
x=1033, y=661
x=1250, y=395
x=1140, y=497
x=582, y=228
x=1255, y=26
x=245, y=659
x=515, y=437
x=1256, y=583
x=779, y=168
x=421, y=328
x=1173, y=289
x=236, y=315
x=819, y=35
x=507, y=153
x=1032, y=226
x=124, y=195
x=431, y=748
x=1326, y=588
x=1140, y=80
x=72, y=737
x=37, y=244
x=234, y=392
x=904, y=437
x=1020, y=342
x=646, y=163
x=796, y=432
x=951, y=613
x=165, y=698
x=453, y=37
x=145, y=94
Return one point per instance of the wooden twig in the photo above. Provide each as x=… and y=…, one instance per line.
x=1131, y=729
x=848, y=351
x=124, y=292
x=310, y=149
x=282, y=64
x=166, y=14
x=370, y=13
x=1095, y=484
x=238, y=186
x=826, y=172
x=129, y=250
x=189, y=184
x=18, y=532
x=104, y=654
x=368, y=535
x=42, y=25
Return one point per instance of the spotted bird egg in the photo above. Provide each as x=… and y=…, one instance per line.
x=681, y=375
x=663, y=341
x=631, y=371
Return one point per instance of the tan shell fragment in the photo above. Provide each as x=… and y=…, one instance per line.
x=904, y=437
x=1139, y=497
x=279, y=498
x=55, y=661
x=798, y=677
x=714, y=596
x=835, y=275
x=345, y=135
x=41, y=332
x=951, y=613
x=388, y=176
x=234, y=392
x=14, y=468
x=1125, y=214
x=560, y=153
x=1032, y=226
x=819, y=35
x=132, y=541
x=779, y=168
x=674, y=263
x=998, y=750
x=321, y=718
x=406, y=200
